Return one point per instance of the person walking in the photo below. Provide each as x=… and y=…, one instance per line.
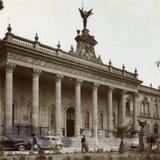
x=35, y=142
x=84, y=144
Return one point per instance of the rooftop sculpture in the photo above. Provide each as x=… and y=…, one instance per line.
x=85, y=15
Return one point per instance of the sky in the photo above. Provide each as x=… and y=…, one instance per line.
x=127, y=31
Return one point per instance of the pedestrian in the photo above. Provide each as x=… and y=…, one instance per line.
x=152, y=140
x=84, y=144
x=35, y=142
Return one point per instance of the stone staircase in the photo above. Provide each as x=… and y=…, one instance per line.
x=73, y=144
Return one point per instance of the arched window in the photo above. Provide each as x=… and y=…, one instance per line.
x=155, y=129
x=86, y=118
x=128, y=108
x=51, y=113
x=114, y=121
x=29, y=114
x=100, y=121
x=156, y=110
x=14, y=113
x=52, y=117
x=142, y=112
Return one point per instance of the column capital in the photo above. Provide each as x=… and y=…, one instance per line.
x=123, y=91
x=59, y=76
x=10, y=67
x=36, y=72
x=96, y=85
x=110, y=88
x=136, y=95
x=79, y=81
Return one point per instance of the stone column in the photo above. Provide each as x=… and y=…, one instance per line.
x=110, y=110
x=58, y=115
x=123, y=107
x=78, y=107
x=35, y=100
x=135, y=102
x=8, y=98
x=95, y=109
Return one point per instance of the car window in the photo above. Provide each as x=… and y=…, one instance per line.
x=4, y=138
x=46, y=138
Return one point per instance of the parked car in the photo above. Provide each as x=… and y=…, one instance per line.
x=135, y=142
x=49, y=143
x=10, y=143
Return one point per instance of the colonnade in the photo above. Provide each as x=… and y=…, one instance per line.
x=58, y=117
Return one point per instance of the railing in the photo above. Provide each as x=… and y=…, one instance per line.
x=32, y=44
x=23, y=42
x=148, y=89
x=47, y=49
x=53, y=51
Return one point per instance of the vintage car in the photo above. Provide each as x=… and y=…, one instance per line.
x=135, y=142
x=49, y=143
x=10, y=143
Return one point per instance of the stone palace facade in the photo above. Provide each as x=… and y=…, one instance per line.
x=45, y=89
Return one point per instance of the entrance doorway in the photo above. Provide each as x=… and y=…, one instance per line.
x=70, y=122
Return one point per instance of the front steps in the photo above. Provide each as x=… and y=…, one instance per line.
x=73, y=144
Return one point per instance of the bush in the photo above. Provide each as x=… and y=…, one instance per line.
x=122, y=158
x=87, y=157
x=22, y=158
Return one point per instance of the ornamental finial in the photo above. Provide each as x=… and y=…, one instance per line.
x=36, y=37
x=9, y=29
x=71, y=50
x=123, y=67
x=135, y=71
x=110, y=62
x=58, y=45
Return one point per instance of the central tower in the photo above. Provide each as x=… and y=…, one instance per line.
x=86, y=42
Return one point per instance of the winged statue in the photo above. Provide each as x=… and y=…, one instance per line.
x=85, y=15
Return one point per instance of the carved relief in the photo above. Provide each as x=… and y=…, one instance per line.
x=67, y=69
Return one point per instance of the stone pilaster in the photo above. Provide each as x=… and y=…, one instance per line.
x=78, y=107
x=95, y=109
x=35, y=100
x=8, y=98
x=123, y=107
x=58, y=106
x=135, y=103
x=110, y=110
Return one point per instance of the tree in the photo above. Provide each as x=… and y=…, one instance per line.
x=1, y=5
x=121, y=133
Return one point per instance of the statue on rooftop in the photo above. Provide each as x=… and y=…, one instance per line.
x=85, y=15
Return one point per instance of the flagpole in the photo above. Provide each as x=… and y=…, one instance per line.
x=82, y=3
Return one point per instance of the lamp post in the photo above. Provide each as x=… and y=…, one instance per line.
x=142, y=124
x=1, y=5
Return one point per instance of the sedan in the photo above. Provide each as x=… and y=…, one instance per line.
x=9, y=143
x=49, y=143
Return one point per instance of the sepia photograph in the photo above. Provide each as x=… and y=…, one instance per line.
x=80, y=80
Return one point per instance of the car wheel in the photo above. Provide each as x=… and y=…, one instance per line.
x=21, y=147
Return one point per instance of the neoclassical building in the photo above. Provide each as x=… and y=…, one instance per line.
x=45, y=89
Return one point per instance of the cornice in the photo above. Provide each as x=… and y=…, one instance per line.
x=69, y=60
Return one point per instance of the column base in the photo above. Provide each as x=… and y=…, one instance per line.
x=35, y=131
x=58, y=135
x=8, y=132
x=77, y=135
x=109, y=134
